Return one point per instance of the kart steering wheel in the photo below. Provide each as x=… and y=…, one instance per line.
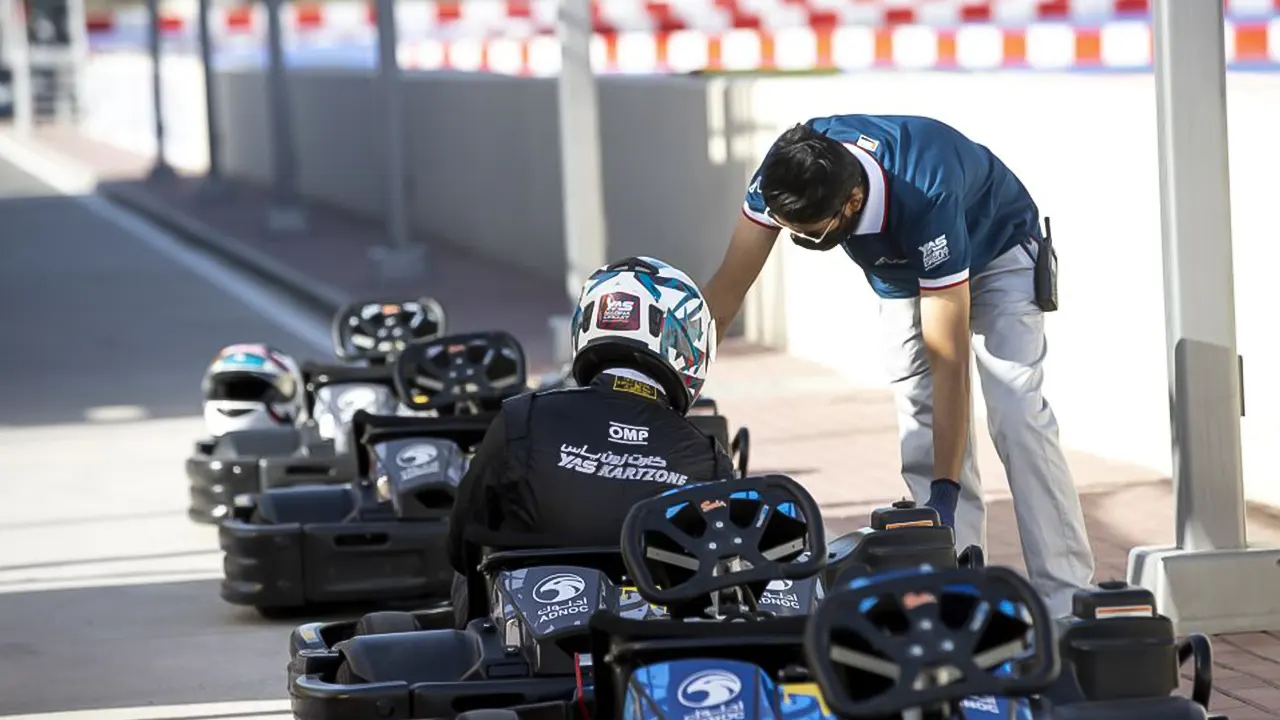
x=713, y=536
x=921, y=639
x=473, y=367
x=376, y=330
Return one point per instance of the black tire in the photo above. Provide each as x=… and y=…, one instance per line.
x=972, y=557
x=279, y=613
x=386, y=623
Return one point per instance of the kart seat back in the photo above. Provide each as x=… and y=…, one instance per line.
x=714, y=426
x=306, y=504
x=412, y=657
x=1165, y=708
x=336, y=404
x=867, y=551
x=263, y=442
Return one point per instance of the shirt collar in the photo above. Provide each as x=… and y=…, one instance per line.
x=874, y=208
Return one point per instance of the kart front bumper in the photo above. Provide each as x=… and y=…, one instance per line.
x=291, y=565
x=215, y=482
x=312, y=645
x=549, y=698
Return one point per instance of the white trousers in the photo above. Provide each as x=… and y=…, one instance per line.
x=1009, y=346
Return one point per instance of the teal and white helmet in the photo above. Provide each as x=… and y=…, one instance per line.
x=645, y=314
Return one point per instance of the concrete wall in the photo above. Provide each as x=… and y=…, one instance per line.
x=484, y=160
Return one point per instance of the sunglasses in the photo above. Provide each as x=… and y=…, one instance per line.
x=832, y=225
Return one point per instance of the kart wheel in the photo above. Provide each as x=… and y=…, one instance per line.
x=972, y=557
x=386, y=623
x=278, y=613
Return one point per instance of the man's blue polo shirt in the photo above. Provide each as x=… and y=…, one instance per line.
x=939, y=206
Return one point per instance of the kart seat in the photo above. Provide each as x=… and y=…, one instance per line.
x=306, y=504
x=412, y=657
x=863, y=552
x=1165, y=708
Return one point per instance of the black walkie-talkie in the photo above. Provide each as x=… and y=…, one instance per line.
x=1046, y=279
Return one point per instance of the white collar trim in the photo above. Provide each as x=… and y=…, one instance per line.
x=874, y=210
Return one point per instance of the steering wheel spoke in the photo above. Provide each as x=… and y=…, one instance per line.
x=672, y=558
x=865, y=662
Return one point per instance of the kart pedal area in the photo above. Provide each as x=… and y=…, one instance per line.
x=283, y=565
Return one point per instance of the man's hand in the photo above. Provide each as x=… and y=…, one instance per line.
x=944, y=321
x=749, y=248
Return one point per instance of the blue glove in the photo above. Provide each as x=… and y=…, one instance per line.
x=944, y=495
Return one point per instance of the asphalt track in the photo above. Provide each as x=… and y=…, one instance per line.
x=108, y=593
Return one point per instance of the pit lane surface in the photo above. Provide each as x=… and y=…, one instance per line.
x=108, y=593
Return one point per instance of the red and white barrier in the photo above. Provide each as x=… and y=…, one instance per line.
x=1046, y=46
x=531, y=17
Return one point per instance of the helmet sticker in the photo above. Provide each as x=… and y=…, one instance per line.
x=619, y=311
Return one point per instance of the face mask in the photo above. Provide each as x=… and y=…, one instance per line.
x=823, y=245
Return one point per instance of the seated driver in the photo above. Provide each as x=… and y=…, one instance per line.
x=561, y=468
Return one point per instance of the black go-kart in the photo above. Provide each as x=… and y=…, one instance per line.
x=380, y=537
x=901, y=536
x=367, y=336
x=533, y=646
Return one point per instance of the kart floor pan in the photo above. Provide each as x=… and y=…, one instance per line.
x=292, y=565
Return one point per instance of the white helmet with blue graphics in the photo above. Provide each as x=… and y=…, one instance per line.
x=644, y=314
x=251, y=386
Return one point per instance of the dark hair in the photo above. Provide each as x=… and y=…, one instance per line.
x=807, y=177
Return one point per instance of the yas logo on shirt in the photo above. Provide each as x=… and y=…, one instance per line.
x=935, y=252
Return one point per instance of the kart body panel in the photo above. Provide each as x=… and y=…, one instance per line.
x=371, y=541
x=718, y=689
x=250, y=461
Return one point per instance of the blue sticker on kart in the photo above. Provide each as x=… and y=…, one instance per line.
x=716, y=689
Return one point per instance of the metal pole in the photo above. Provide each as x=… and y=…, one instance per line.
x=19, y=52
x=1200, y=321
x=401, y=258
x=586, y=242
x=78, y=38
x=213, y=176
x=286, y=213
x=161, y=169
x=1204, y=382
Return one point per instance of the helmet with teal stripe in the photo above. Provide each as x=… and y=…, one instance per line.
x=643, y=314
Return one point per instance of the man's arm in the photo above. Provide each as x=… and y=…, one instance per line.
x=941, y=255
x=749, y=248
x=484, y=475
x=944, y=321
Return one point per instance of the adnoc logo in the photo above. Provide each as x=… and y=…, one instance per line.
x=559, y=588
x=709, y=688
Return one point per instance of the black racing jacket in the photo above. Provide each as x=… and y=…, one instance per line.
x=561, y=468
